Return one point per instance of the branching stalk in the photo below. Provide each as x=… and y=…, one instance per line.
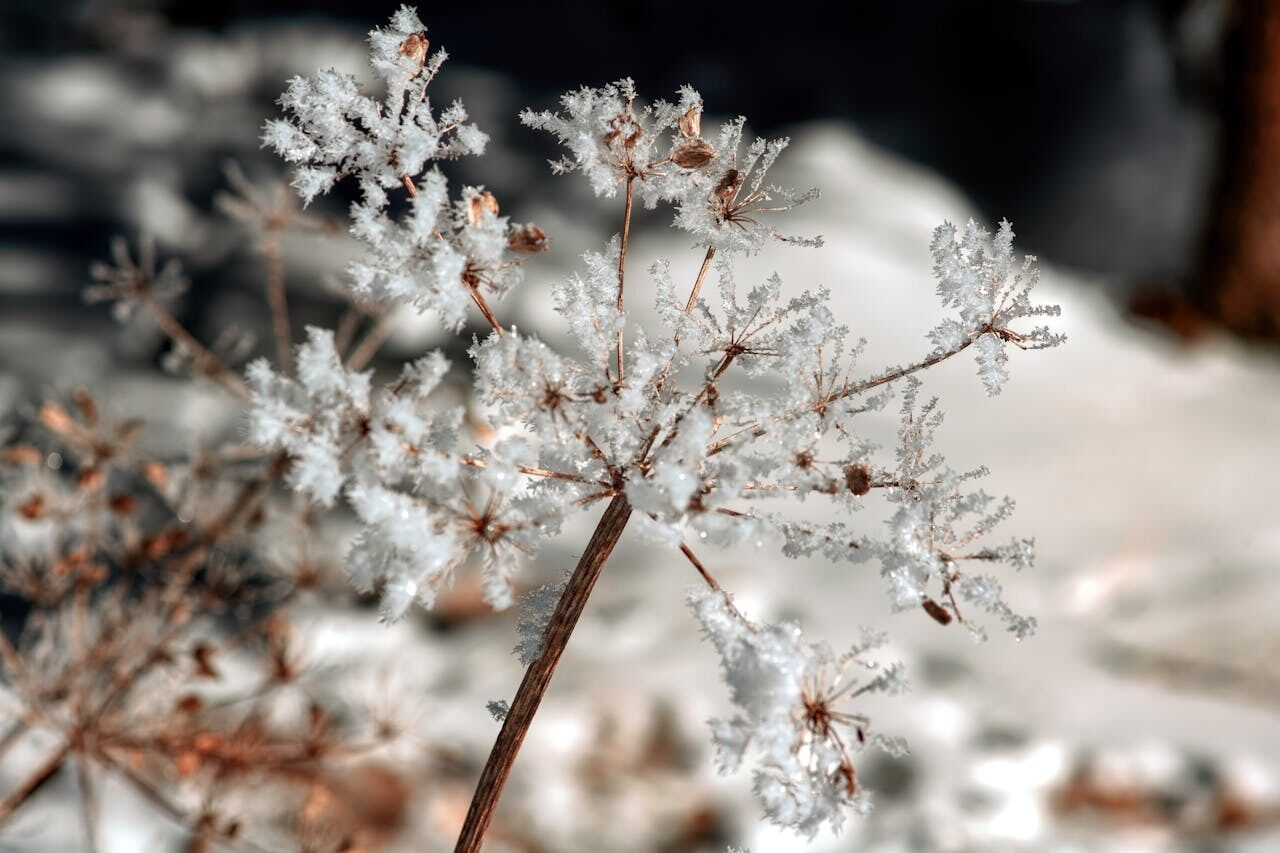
x=273, y=254
x=208, y=363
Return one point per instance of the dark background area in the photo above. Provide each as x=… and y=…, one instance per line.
x=1085, y=123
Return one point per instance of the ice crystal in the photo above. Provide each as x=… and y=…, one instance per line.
x=792, y=700
x=979, y=276
x=443, y=253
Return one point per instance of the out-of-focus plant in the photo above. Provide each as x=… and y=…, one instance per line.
x=704, y=428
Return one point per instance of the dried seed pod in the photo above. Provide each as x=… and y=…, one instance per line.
x=189, y=703
x=728, y=185
x=693, y=154
x=858, y=479
x=937, y=612
x=90, y=478
x=202, y=657
x=691, y=122
x=415, y=48
x=479, y=205
x=155, y=473
x=528, y=240
x=122, y=503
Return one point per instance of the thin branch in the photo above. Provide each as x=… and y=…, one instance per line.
x=540, y=472
x=34, y=782
x=758, y=430
x=370, y=344
x=204, y=358
x=347, y=326
x=697, y=283
x=702, y=570
x=622, y=271
x=177, y=813
x=536, y=679
x=478, y=298
x=273, y=254
x=13, y=734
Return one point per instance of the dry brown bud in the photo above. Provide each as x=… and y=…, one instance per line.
x=691, y=122
x=122, y=503
x=207, y=742
x=415, y=48
x=186, y=764
x=155, y=473
x=189, y=704
x=528, y=240
x=479, y=205
x=89, y=478
x=317, y=718
x=202, y=656
x=693, y=154
x=938, y=613
x=858, y=479
x=55, y=418
x=32, y=508
x=88, y=409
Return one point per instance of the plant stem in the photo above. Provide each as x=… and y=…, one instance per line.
x=34, y=782
x=538, y=676
x=478, y=298
x=697, y=284
x=373, y=340
x=209, y=364
x=273, y=253
x=622, y=270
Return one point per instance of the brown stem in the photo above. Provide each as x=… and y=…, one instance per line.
x=348, y=325
x=697, y=284
x=33, y=782
x=538, y=676
x=273, y=252
x=702, y=570
x=622, y=269
x=478, y=299
x=538, y=472
x=369, y=346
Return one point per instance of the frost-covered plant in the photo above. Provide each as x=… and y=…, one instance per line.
x=704, y=427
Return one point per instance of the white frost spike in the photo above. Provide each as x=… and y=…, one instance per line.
x=535, y=613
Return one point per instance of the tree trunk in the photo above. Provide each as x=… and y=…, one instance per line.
x=1239, y=276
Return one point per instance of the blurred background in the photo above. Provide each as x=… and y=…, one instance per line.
x=1135, y=146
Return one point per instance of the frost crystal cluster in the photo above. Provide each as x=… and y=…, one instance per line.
x=704, y=428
